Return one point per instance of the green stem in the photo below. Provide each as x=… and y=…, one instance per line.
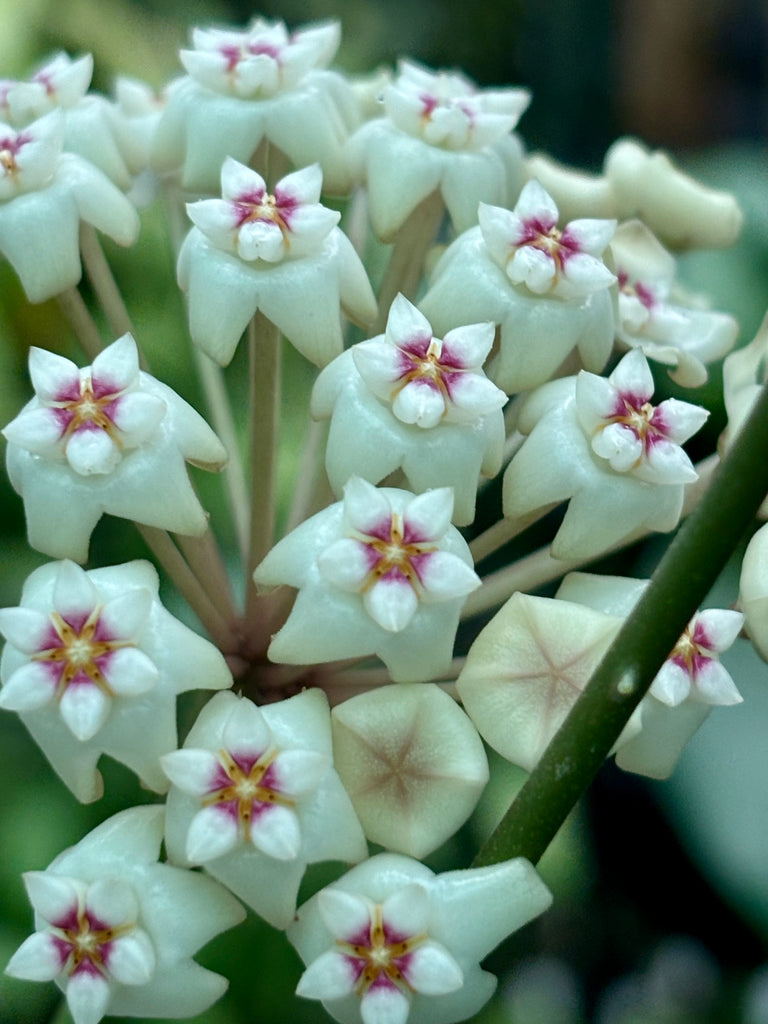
x=80, y=320
x=104, y=285
x=682, y=580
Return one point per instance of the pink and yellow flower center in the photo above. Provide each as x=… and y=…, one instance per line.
x=9, y=150
x=643, y=419
x=90, y=410
x=245, y=787
x=691, y=650
x=380, y=956
x=84, y=942
x=79, y=655
x=394, y=554
x=547, y=238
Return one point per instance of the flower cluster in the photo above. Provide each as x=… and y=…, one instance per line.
x=352, y=711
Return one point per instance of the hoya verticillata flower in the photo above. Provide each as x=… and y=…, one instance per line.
x=280, y=253
x=412, y=763
x=526, y=669
x=381, y=572
x=744, y=374
x=105, y=438
x=600, y=442
x=548, y=288
x=255, y=799
x=92, y=129
x=255, y=84
x=440, y=132
x=116, y=930
x=690, y=683
x=93, y=665
x=44, y=194
x=391, y=942
x=753, y=590
x=655, y=316
x=407, y=399
x=639, y=183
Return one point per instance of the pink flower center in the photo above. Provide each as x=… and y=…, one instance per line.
x=422, y=363
x=90, y=410
x=393, y=554
x=379, y=956
x=84, y=942
x=644, y=420
x=643, y=292
x=547, y=238
x=9, y=150
x=245, y=787
x=690, y=652
x=78, y=653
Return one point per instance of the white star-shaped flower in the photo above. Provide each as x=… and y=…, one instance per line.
x=689, y=684
x=407, y=399
x=601, y=443
x=382, y=572
x=548, y=289
x=669, y=327
x=439, y=132
x=255, y=799
x=106, y=438
x=116, y=930
x=44, y=195
x=392, y=942
x=280, y=253
x=93, y=665
x=261, y=83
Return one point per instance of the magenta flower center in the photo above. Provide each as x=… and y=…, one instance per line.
x=9, y=150
x=78, y=653
x=90, y=410
x=422, y=364
x=84, y=942
x=379, y=955
x=245, y=787
x=644, y=420
x=395, y=554
x=691, y=650
x=547, y=238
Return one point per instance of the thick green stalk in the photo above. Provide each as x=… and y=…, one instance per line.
x=682, y=580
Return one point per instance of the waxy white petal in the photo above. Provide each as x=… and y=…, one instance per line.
x=300, y=771
x=30, y=687
x=276, y=832
x=137, y=415
x=533, y=268
x=406, y=325
x=379, y=364
x=74, y=593
x=122, y=617
x=112, y=901
x=672, y=684
x=192, y=771
x=406, y=911
x=116, y=367
x=54, y=378
x=419, y=402
x=445, y=576
x=87, y=997
x=391, y=602
x=432, y=971
x=468, y=347
x=619, y=445
x=427, y=516
x=681, y=419
x=246, y=732
x=37, y=430
x=714, y=685
x=472, y=397
x=27, y=629
x=331, y=976
x=633, y=376
x=131, y=958
x=92, y=452
x=55, y=898
x=346, y=563
x=717, y=628
x=238, y=181
x=85, y=709
x=213, y=833
x=591, y=234
x=38, y=958
x=344, y=914
x=535, y=203
x=384, y=1005
x=303, y=186
x=366, y=509
x=130, y=672
x=218, y=220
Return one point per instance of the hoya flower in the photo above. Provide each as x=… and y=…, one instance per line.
x=261, y=83
x=280, y=253
x=655, y=316
x=528, y=245
x=744, y=374
x=638, y=183
x=44, y=195
x=412, y=762
x=93, y=664
x=106, y=438
x=392, y=942
x=753, y=593
x=439, y=132
x=547, y=288
x=689, y=684
x=381, y=572
x=257, y=225
x=116, y=930
x=600, y=442
x=93, y=128
x=255, y=799
x=407, y=399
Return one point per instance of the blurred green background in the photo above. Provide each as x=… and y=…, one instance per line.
x=661, y=908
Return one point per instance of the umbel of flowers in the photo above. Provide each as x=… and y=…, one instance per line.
x=349, y=713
